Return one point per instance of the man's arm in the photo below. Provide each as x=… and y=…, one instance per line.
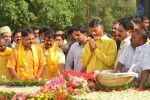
x=40, y=71
x=69, y=59
x=61, y=68
x=86, y=56
x=144, y=77
x=13, y=73
x=119, y=67
x=61, y=62
x=109, y=55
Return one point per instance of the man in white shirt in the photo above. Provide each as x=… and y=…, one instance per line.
x=73, y=60
x=138, y=53
x=124, y=35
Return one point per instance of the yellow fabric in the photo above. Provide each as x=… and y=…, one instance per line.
x=22, y=67
x=13, y=60
x=52, y=57
x=6, y=52
x=3, y=62
x=102, y=57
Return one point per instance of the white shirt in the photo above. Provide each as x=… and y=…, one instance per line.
x=14, y=44
x=140, y=57
x=123, y=44
x=74, y=57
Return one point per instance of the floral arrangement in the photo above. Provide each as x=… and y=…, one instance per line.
x=67, y=86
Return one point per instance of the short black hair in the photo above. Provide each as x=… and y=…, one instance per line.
x=44, y=29
x=136, y=20
x=70, y=30
x=16, y=31
x=27, y=31
x=95, y=22
x=144, y=17
x=50, y=34
x=36, y=27
x=61, y=35
x=81, y=28
x=127, y=25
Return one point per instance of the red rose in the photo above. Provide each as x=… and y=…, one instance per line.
x=139, y=89
x=71, y=84
x=107, y=90
x=119, y=89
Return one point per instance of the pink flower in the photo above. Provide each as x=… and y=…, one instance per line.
x=53, y=84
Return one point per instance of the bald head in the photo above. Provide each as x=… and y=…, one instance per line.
x=59, y=32
x=142, y=33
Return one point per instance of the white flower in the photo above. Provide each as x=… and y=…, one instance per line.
x=3, y=78
x=22, y=69
x=46, y=53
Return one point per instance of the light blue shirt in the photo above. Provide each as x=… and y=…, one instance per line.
x=74, y=57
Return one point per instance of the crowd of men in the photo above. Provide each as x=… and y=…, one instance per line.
x=36, y=52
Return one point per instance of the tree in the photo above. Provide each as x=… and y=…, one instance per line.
x=112, y=10
x=60, y=14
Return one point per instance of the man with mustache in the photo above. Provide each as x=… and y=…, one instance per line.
x=124, y=35
x=16, y=37
x=4, y=55
x=55, y=57
x=26, y=60
x=115, y=26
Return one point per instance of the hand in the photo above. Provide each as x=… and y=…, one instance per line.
x=92, y=44
x=83, y=69
x=36, y=78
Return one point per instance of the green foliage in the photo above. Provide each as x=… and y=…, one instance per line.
x=60, y=14
x=111, y=10
x=6, y=95
x=24, y=83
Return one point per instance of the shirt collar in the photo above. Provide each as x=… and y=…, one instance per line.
x=127, y=39
x=101, y=38
x=139, y=48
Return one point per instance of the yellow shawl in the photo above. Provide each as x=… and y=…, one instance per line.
x=22, y=67
x=52, y=61
x=6, y=52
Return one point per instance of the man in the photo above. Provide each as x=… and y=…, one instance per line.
x=36, y=30
x=4, y=55
x=59, y=40
x=144, y=22
x=16, y=37
x=99, y=53
x=72, y=40
x=26, y=60
x=138, y=53
x=145, y=25
x=7, y=34
x=54, y=56
x=124, y=35
x=73, y=60
x=42, y=32
x=115, y=26
x=63, y=34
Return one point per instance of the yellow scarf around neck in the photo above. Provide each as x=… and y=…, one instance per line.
x=52, y=60
x=6, y=52
x=22, y=68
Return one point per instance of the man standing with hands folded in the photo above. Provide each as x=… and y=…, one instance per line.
x=100, y=52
